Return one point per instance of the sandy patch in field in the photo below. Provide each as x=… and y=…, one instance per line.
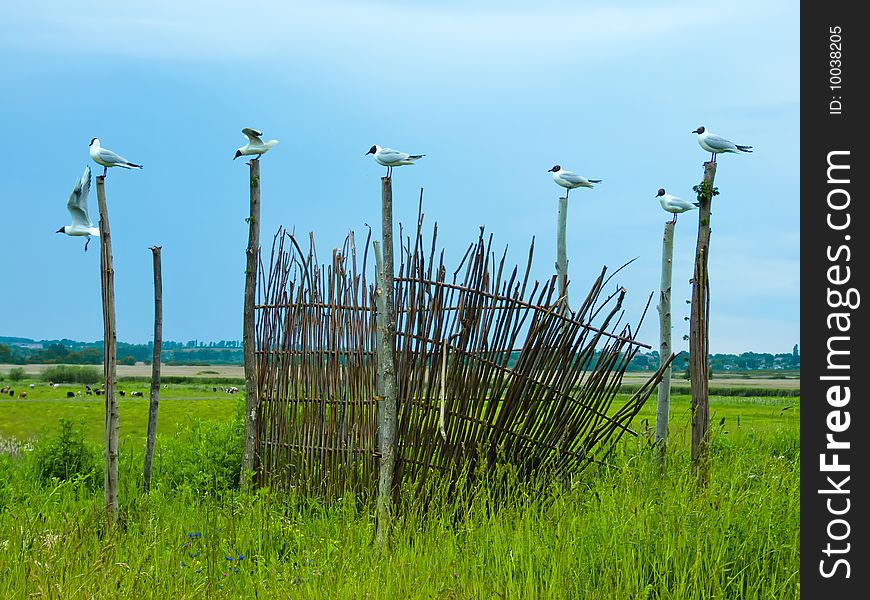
x=237, y=371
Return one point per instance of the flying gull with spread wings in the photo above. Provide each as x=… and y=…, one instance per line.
x=256, y=145
x=77, y=205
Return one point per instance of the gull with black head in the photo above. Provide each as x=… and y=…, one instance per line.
x=674, y=204
x=715, y=144
x=570, y=180
x=77, y=205
x=392, y=158
x=256, y=146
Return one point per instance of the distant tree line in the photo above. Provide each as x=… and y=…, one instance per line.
x=25, y=351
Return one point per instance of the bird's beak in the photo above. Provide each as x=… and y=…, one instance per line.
x=367, y=153
x=695, y=131
x=551, y=170
x=59, y=230
x=238, y=154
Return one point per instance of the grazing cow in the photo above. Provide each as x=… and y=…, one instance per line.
x=79, y=393
x=120, y=392
x=214, y=389
x=11, y=393
x=88, y=392
x=98, y=392
x=22, y=395
x=55, y=385
x=70, y=395
x=136, y=394
x=32, y=385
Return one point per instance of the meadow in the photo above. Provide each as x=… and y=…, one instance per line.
x=616, y=531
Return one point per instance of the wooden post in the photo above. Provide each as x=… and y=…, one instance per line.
x=387, y=371
x=699, y=334
x=155, y=368
x=665, y=349
x=110, y=357
x=248, y=339
x=379, y=309
x=562, y=250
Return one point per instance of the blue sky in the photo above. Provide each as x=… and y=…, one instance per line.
x=494, y=93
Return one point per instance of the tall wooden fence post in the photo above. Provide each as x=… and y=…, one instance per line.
x=562, y=250
x=110, y=356
x=387, y=371
x=155, y=369
x=699, y=334
x=252, y=404
x=664, y=307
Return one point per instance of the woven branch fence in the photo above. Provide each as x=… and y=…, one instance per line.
x=491, y=368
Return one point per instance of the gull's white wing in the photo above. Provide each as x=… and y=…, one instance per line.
x=572, y=177
x=719, y=143
x=678, y=204
x=110, y=157
x=390, y=156
x=78, y=200
x=253, y=135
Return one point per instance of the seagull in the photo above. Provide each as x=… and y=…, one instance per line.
x=255, y=144
x=107, y=158
x=78, y=209
x=675, y=205
x=570, y=180
x=392, y=158
x=715, y=144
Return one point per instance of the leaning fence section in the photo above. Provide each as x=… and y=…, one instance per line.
x=491, y=368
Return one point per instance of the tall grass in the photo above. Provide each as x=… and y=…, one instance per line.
x=619, y=531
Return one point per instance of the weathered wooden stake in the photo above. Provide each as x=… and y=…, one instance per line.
x=155, y=368
x=562, y=250
x=699, y=334
x=664, y=308
x=109, y=357
x=387, y=370
x=252, y=403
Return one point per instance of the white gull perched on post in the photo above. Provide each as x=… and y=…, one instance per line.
x=674, y=204
x=107, y=158
x=392, y=158
x=570, y=180
x=715, y=144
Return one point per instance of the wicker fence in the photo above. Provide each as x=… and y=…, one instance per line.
x=491, y=368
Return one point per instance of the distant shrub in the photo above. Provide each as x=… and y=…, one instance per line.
x=205, y=456
x=65, y=457
x=70, y=374
x=17, y=374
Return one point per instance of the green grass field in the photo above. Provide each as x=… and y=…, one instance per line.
x=622, y=531
x=31, y=418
